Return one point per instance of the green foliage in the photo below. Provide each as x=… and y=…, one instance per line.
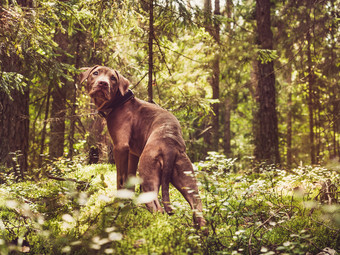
x=249, y=211
x=115, y=33
x=11, y=80
x=265, y=55
x=268, y=212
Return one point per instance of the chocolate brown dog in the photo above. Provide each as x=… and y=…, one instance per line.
x=144, y=135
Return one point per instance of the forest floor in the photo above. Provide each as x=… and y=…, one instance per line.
x=262, y=211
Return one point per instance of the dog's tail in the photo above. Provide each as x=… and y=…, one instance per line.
x=168, y=165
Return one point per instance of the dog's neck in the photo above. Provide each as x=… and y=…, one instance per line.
x=119, y=100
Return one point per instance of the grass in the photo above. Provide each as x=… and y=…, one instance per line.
x=266, y=212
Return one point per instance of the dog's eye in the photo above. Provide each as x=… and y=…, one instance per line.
x=95, y=73
x=113, y=78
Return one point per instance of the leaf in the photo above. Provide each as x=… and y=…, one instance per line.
x=146, y=197
x=132, y=181
x=266, y=55
x=67, y=218
x=264, y=249
x=125, y=194
x=104, y=198
x=114, y=236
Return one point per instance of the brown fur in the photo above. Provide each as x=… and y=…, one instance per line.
x=144, y=136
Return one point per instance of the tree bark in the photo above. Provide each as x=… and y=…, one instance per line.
x=215, y=106
x=335, y=91
x=289, y=122
x=228, y=100
x=43, y=131
x=14, y=131
x=227, y=132
x=310, y=89
x=72, y=123
x=151, y=38
x=267, y=145
x=215, y=81
x=57, y=124
x=229, y=9
x=74, y=102
x=58, y=109
x=14, y=112
x=207, y=14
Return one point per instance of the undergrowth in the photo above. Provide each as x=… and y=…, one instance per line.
x=267, y=211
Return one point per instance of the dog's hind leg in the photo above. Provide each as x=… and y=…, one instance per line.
x=184, y=180
x=167, y=170
x=149, y=169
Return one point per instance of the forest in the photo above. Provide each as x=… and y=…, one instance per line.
x=253, y=84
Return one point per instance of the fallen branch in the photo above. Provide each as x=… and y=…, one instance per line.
x=328, y=193
x=67, y=179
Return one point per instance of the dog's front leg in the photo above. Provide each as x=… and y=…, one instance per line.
x=121, y=154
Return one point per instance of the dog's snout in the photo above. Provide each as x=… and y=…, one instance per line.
x=103, y=84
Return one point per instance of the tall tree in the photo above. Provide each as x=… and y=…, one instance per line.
x=14, y=131
x=151, y=39
x=57, y=125
x=73, y=97
x=43, y=131
x=311, y=81
x=228, y=101
x=216, y=78
x=267, y=145
x=213, y=27
x=59, y=93
x=14, y=97
x=289, y=133
x=333, y=75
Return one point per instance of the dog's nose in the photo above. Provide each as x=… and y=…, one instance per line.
x=103, y=84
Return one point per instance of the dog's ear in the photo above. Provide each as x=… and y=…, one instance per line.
x=123, y=83
x=85, y=74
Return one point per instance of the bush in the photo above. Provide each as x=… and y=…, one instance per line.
x=270, y=212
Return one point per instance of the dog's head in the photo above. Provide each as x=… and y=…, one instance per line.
x=103, y=84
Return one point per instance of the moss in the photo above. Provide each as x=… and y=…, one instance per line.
x=243, y=214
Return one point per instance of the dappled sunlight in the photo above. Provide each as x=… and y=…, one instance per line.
x=96, y=94
x=239, y=208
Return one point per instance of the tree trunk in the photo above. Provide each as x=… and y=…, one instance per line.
x=43, y=131
x=151, y=37
x=14, y=111
x=74, y=102
x=57, y=125
x=207, y=15
x=34, y=138
x=310, y=89
x=228, y=101
x=289, y=122
x=215, y=81
x=58, y=110
x=72, y=123
x=227, y=132
x=215, y=106
x=229, y=9
x=335, y=88
x=267, y=145
x=14, y=131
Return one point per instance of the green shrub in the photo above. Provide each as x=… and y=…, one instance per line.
x=267, y=212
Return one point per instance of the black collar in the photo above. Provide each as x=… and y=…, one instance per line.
x=119, y=100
